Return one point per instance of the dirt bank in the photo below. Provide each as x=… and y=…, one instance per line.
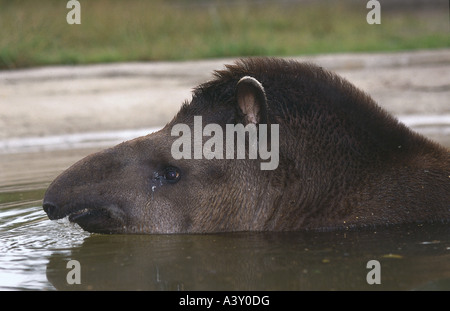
x=76, y=99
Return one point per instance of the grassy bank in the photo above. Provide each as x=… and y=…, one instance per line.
x=36, y=32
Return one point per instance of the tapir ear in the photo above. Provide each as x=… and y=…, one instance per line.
x=252, y=101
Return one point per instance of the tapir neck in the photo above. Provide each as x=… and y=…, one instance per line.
x=405, y=186
x=415, y=191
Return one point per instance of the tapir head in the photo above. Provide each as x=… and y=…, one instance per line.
x=139, y=186
x=336, y=160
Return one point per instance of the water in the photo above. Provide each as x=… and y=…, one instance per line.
x=34, y=251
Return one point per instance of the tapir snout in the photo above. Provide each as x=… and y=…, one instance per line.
x=114, y=190
x=87, y=193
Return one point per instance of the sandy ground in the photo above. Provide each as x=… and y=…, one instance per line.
x=75, y=99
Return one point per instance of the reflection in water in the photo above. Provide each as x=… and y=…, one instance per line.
x=27, y=239
x=410, y=258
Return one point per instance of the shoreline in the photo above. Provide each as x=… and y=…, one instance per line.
x=72, y=100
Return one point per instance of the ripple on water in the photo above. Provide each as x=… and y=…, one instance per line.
x=27, y=239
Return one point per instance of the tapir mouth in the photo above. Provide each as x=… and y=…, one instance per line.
x=99, y=219
x=85, y=212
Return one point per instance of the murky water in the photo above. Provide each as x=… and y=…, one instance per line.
x=34, y=251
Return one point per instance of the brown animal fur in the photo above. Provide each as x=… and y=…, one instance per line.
x=344, y=162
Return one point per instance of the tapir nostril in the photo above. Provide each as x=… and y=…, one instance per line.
x=50, y=209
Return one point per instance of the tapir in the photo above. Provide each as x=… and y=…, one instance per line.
x=338, y=162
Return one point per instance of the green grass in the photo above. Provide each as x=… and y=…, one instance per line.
x=35, y=32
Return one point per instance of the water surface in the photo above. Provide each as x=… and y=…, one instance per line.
x=34, y=251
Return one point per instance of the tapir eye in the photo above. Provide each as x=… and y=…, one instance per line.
x=172, y=174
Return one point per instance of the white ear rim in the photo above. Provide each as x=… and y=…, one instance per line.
x=247, y=104
x=252, y=81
